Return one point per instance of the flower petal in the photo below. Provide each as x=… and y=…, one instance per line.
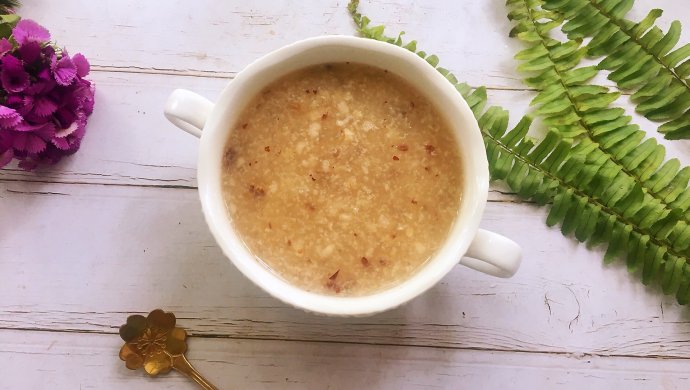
x=64, y=70
x=82, y=64
x=28, y=164
x=29, y=31
x=44, y=107
x=83, y=96
x=15, y=100
x=81, y=127
x=35, y=144
x=30, y=52
x=27, y=142
x=157, y=363
x=74, y=145
x=44, y=74
x=60, y=143
x=89, y=97
x=161, y=320
x=41, y=86
x=5, y=46
x=65, y=116
x=68, y=130
x=133, y=328
x=14, y=78
x=44, y=129
x=51, y=155
x=9, y=118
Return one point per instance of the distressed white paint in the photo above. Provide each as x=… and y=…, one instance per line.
x=223, y=36
x=117, y=229
x=129, y=142
x=103, y=251
x=89, y=361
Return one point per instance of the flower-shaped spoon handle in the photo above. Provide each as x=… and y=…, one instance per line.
x=155, y=344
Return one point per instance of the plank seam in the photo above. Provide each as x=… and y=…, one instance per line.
x=222, y=336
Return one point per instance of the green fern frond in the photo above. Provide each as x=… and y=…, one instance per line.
x=587, y=192
x=574, y=108
x=638, y=55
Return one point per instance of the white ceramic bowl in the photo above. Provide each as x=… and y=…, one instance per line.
x=487, y=252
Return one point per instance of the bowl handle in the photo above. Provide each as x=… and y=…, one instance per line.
x=188, y=111
x=493, y=254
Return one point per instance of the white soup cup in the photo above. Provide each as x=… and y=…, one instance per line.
x=479, y=249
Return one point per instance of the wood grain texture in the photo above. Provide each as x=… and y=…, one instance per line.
x=208, y=37
x=117, y=229
x=130, y=143
x=104, y=251
x=47, y=359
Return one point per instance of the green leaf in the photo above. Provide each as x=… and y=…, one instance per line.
x=663, y=46
x=432, y=60
x=7, y=22
x=580, y=75
x=675, y=57
x=620, y=172
x=646, y=23
x=640, y=56
x=678, y=128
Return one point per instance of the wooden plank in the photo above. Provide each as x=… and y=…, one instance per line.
x=80, y=257
x=220, y=38
x=129, y=142
x=88, y=361
x=134, y=145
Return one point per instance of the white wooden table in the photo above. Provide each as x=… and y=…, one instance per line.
x=117, y=229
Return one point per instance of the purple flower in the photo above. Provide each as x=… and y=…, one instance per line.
x=29, y=31
x=13, y=77
x=44, y=102
x=9, y=118
x=63, y=69
x=43, y=85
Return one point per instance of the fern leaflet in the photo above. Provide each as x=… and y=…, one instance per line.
x=571, y=106
x=639, y=56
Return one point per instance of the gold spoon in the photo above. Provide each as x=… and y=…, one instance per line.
x=155, y=344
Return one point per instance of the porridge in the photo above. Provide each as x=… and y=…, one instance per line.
x=342, y=178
